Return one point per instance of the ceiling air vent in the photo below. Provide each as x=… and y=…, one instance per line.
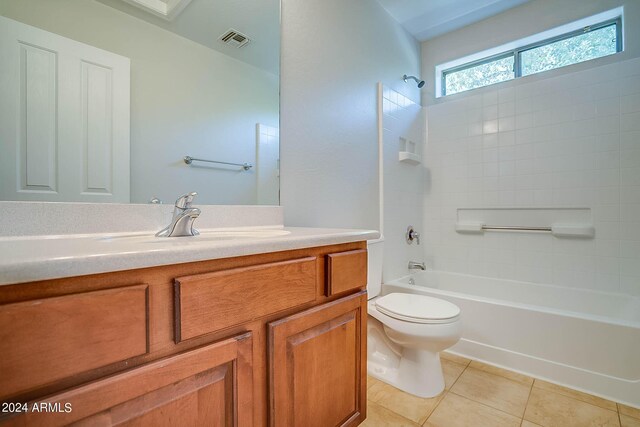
x=235, y=38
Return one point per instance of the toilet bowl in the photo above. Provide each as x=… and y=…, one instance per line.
x=406, y=334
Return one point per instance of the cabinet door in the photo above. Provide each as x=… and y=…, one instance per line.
x=208, y=386
x=317, y=362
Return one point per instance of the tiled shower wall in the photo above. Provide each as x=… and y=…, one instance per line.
x=402, y=182
x=566, y=141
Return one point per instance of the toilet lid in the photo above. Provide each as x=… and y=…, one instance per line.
x=417, y=308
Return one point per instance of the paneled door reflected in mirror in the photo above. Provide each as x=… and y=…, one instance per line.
x=102, y=100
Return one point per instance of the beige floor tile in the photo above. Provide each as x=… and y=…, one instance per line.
x=407, y=405
x=457, y=411
x=551, y=409
x=526, y=423
x=454, y=358
x=598, y=401
x=377, y=416
x=629, y=411
x=451, y=372
x=514, y=376
x=492, y=390
x=371, y=381
x=627, y=421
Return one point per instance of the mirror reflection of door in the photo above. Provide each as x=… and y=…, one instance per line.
x=104, y=99
x=65, y=121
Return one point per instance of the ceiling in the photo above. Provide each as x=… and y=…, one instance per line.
x=204, y=21
x=426, y=19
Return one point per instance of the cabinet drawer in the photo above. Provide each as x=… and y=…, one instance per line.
x=49, y=339
x=213, y=301
x=346, y=271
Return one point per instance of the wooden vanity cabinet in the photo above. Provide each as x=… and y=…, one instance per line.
x=275, y=339
x=208, y=386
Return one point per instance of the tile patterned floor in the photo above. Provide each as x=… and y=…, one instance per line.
x=479, y=395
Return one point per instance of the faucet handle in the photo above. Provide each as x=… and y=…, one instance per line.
x=184, y=201
x=412, y=235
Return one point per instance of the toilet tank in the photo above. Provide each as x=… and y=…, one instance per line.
x=375, y=250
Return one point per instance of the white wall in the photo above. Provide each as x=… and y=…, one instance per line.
x=186, y=99
x=565, y=141
x=333, y=54
x=528, y=19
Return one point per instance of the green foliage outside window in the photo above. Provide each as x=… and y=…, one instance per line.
x=591, y=45
x=485, y=74
x=578, y=48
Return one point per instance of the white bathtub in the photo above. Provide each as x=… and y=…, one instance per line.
x=585, y=340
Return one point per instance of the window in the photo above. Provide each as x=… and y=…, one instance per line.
x=478, y=74
x=590, y=42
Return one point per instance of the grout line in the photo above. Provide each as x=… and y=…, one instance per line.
x=393, y=412
x=461, y=373
x=399, y=414
x=582, y=401
x=484, y=404
x=526, y=405
x=437, y=404
x=446, y=392
x=500, y=368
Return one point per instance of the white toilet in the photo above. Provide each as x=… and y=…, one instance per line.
x=406, y=333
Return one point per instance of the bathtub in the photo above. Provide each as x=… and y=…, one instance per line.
x=585, y=340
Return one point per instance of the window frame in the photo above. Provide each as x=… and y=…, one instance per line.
x=516, y=52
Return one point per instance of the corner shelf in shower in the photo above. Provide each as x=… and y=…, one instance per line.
x=407, y=152
x=410, y=158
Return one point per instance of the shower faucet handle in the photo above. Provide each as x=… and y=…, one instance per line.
x=412, y=235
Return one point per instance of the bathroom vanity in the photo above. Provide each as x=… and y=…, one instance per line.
x=271, y=338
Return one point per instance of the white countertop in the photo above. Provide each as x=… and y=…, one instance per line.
x=32, y=258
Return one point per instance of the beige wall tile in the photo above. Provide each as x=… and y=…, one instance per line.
x=409, y=406
x=451, y=372
x=514, y=376
x=627, y=421
x=556, y=410
x=493, y=390
x=598, y=401
x=457, y=411
x=377, y=416
x=629, y=411
x=454, y=358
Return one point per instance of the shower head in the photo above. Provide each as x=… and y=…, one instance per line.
x=420, y=82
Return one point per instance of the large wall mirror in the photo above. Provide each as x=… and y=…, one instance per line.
x=139, y=101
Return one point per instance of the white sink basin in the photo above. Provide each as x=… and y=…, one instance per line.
x=204, y=236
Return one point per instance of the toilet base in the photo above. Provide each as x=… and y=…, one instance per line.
x=417, y=372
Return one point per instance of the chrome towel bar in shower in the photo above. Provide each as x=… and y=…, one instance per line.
x=558, y=230
x=514, y=228
x=188, y=160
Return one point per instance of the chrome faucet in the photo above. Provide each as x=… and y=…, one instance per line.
x=417, y=265
x=183, y=217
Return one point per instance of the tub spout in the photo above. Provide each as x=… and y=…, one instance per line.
x=417, y=265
